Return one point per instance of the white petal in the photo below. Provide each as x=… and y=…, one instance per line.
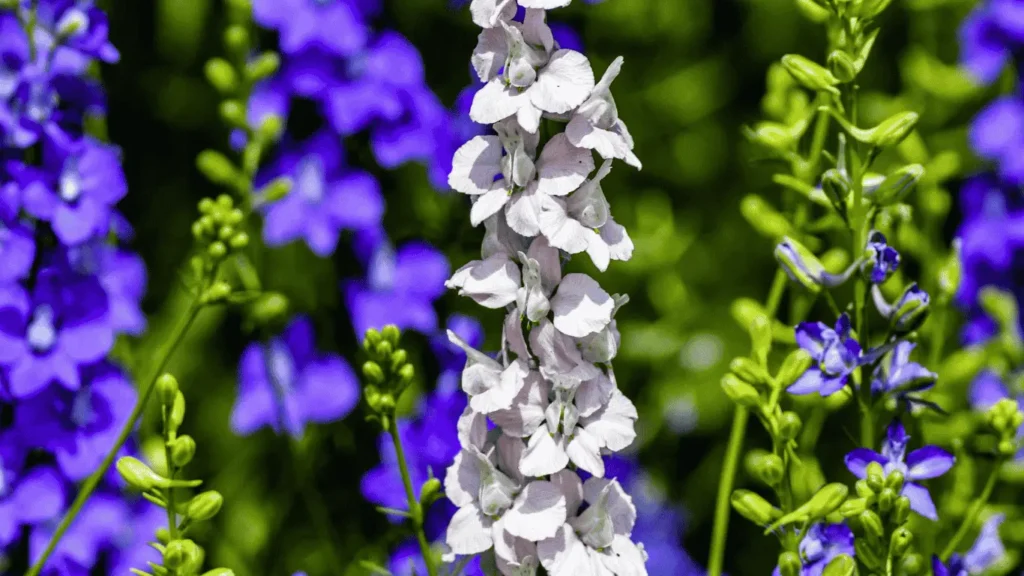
x=538, y=512
x=492, y=282
x=598, y=251
x=529, y=117
x=469, y=531
x=619, y=505
x=560, y=229
x=625, y=558
x=544, y=4
x=462, y=480
x=572, y=488
x=490, y=53
x=608, y=143
x=510, y=452
x=543, y=455
x=613, y=424
x=500, y=395
x=499, y=238
x=550, y=263
x=558, y=354
x=495, y=101
x=620, y=246
x=602, y=346
x=475, y=164
x=512, y=332
x=523, y=211
x=563, y=84
x=581, y=306
x=585, y=452
x=472, y=427
x=526, y=414
x=593, y=394
x=515, y=556
x=610, y=74
x=536, y=30
x=562, y=167
x=488, y=13
x=488, y=204
x=565, y=554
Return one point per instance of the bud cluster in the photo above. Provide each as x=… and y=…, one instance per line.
x=387, y=372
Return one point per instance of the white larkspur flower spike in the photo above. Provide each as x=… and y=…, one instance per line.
x=489, y=13
x=492, y=282
x=490, y=386
x=596, y=124
x=581, y=306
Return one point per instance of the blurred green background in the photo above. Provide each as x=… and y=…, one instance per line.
x=694, y=75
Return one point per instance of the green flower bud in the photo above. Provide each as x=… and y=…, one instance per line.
x=386, y=402
x=761, y=339
x=1000, y=305
x=239, y=241
x=911, y=310
x=740, y=392
x=950, y=272
x=370, y=340
x=225, y=202
x=895, y=481
x=197, y=230
x=836, y=187
x=269, y=307
x=769, y=469
x=843, y=66
x=208, y=224
x=893, y=129
x=863, y=489
x=271, y=128
x=218, y=292
x=1007, y=448
x=406, y=374
x=789, y=425
x=384, y=349
x=876, y=476
x=901, y=512
x=810, y=74
x=263, y=66
x=234, y=217
x=827, y=500
x=872, y=8
x=886, y=499
x=138, y=475
x=236, y=39
x=182, y=450
x=181, y=553
x=277, y=189
x=795, y=364
x=430, y=492
x=163, y=536
x=867, y=553
x=842, y=565
x=391, y=333
x=217, y=167
x=913, y=564
x=217, y=250
x=233, y=113
x=897, y=185
x=167, y=389
x=754, y=508
x=176, y=415
x=853, y=507
x=219, y=572
x=872, y=524
x=221, y=75
x=204, y=506
x=772, y=135
x=764, y=218
x=790, y=564
x=749, y=371
x=813, y=11
x=373, y=372
x=225, y=232
x=901, y=539
x=800, y=264
x=745, y=310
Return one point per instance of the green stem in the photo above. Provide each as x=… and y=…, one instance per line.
x=972, y=514
x=93, y=481
x=415, y=509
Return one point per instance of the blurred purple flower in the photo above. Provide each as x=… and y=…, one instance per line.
x=987, y=550
x=17, y=251
x=123, y=277
x=336, y=25
x=898, y=376
x=95, y=531
x=835, y=353
x=285, y=384
x=921, y=464
x=821, y=544
x=997, y=134
x=881, y=261
x=28, y=498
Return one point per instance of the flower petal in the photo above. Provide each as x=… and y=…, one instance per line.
x=492, y=282
x=928, y=462
x=495, y=102
x=475, y=165
x=489, y=203
x=526, y=414
x=538, y=512
x=920, y=500
x=562, y=167
x=563, y=84
x=613, y=425
x=581, y=306
x=469, y=531
x=543, y=455
x=462, y=481
x=523, y=211
x=565, y=554
x=584, y=450
x=858, y=459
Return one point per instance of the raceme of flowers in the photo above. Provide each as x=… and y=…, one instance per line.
x=66, y=291
x=531, y=490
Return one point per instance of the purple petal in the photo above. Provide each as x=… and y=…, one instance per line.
x=983, y=52
x=858, y=459
x=321, y=235
x=283, y=220
x=420, y=270
x=928, y=462
x=811, y=337
x=355, y=201
x=75, y=224
x=39, y=496
x=811, y=381
x=920, y=500
x=998, y=128
x=87, y=342
x=329, y=390
x=830, y=386
x=300, y=338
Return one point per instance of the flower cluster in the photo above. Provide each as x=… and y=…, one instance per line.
x=67, y=289
x=529, y=480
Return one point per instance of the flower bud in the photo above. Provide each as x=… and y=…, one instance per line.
x=1007, y=448
x=217, y=250
x=867, y=553
x=795, y=364
x=872, y=524
x=217, y=168
x=910, y=311
x=895, y=481
x=176, y=415
x=406, y=374
x=219, y=291
x=754, y=508
x=748, y=371
x=853, y=507
x=239, y=241
x=901, y=539
x=842, y=565
x=263, y=66
x=384, y=349
x=1001, y=306
x=864, y=489
x=219, y=572
x=167, y=389
x=271, y=128
x=163, y=536
x=430, y=492
x=182, y=450
x=764, y=218
x=901, y=512
x=827, y=500
x=872, y=8
x=269, y=307
x=233, y=113
x=225, y=232
x=766, y=467
x=276, y=189
x=138, y=475
x=843, y=66
x=800, y=264
x=236, y=39
x=761, y=339
x=204, y=506
x=790, y=564
x=180, y=553
x=886, y=499
x=221, y=75
x=836, y=187
x=398, y=359
x=373, y=372
x=897, y=185
x=371, y=339
x=745, y=310
x=950, y=272
x=740, y=392
x=789, y=425
x=893, y=129
x=810, y=74
x=391, y=333
x=772, y=135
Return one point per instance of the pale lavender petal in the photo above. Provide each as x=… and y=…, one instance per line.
x=928, y=462
x=811, y=381
x=858, y=459
x=328, y=390
x=920, y=500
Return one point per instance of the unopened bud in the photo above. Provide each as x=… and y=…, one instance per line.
x=167, y=389
x=429, y=492
x=204, y=506
x=843, y=66
x=271, y=128
x=384, y=349
x=901, y=512
x=739, y=391
x=217, y=168
x=853, y=507
x=406, y=373
x=176, y=415
x=263, y=66
x=910, y=311
x=391, y=333
x=863, y=489
x=872, y=524
x=842, y=565
x=913, y=564
x=893, y=129
x=236, y=39
x=754, y=508
x=795, y=364
x=767, y=467
x=810, y=74
x=876, y=476
x=218, y=292
x=269, y=307
x=826, y=500
x=138, y=475
x=221, y=75
x=790, y=564
x=901, y=540
x=886, y=499
x=180, y=553
x=800, y=264
x=895, y=481
x=373, y=372
x=182, y=450
x=748, y=371
x=789, y=425
x=277, y=189
x=219, y=572
x=897, y=185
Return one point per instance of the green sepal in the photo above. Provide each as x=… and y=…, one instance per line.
x=842, y=565
x=825, y=501
x=897, y=185
x=790, y=564
x=766, y=467
x=789, y=425
x=854, y=507
x=810, y=74
x=739, y=391
x=753, y=507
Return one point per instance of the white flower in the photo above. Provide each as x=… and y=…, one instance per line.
x=514, y=556
x=544, y=4
x=541, y=274
x=596, y=124
x=488, y=13
x=490, y=386
x=581, y=306
x=558, y=355
x=582, y=222
x=492, y=282
x=500, y=238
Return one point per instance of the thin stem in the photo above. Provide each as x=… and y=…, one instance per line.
x=93, y=481
x=972, y=514
x=172, y=515
x=415, y=509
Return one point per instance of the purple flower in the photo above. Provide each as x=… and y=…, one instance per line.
x=81, y=27
x=335, y=25
x=286, y=383
x=987, y=550
x=881, y=259
x=123, y=277
x=131, y=542
x=27, y=103
x=325, y=199
x=400, y=288
x=94, y=531
x=921, y=464
x=77, y=188
x=17, y=250
x=898, y=376
x=997, y=134
x=821, y=544
x=836, y=355
x=27, y=498
x=983, y=50
x=46, y=337
x=80, y=426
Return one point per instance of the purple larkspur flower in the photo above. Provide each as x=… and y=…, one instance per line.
x=94, y=531
x=896, y=375
x=131, y=543
x=400, y=288
x=881, y=260
x=450, y=356
x=286, y=383
x=17, y=250
x=988, y=549
x=28, y=498
x=80, y=426
x=123, y=276
x=48, y=336
x=27, y=103
x=921, y=464
x=336, y=25
x=77, y=189
x=820, y=545
x=983, y=48
x=835, y=353
x=325, y=199
x=77, y=28
x=997, y=134
x=987, y=389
